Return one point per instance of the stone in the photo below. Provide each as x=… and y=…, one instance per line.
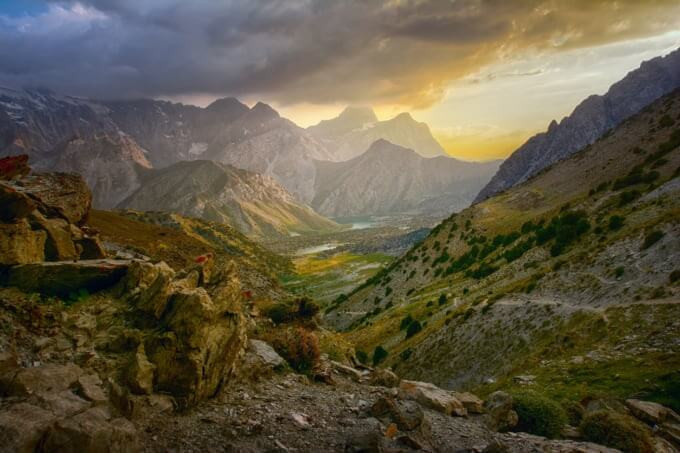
x=352, y=373
x=90, y=248
x=149, y=285
x=471, y=402
x=22, y=426
x=431, y=396
x=204, y=338
x=59, y=246
x=19, y=244
x=496, y=446
x=300, y=419
x=14, y=167
x=89, y=386
x=406, y=414
x=524, y=379
x=140, y=372
x=43, y=379
x=647, y=411
x=499, y=413
x=671, y=432
x=265, y=353
x=14, y=205
x=95, y=431
x=64, y=278
x=382, y=377
x=62, y=195
x=63, y=403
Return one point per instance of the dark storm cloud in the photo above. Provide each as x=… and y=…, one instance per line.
x=293, y=51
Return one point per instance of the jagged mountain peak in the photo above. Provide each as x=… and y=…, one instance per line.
x=359, y=115
x=227, y=105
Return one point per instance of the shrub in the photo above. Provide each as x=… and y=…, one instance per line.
x=652, y=238
x=362, y=356
x=299, y=309
x=627, y=197
x=615, y=222
x=442, y=299
x=405, y=322
x=379, y=354
x=674, y=276
x=300, y=348
x=618, y=272
x=405, y=354
x=574, y=411
x=616, y=431
x=413, y=328
x=539, y=414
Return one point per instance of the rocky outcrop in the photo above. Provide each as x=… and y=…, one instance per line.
x=589, y=121
x=356, y=128
x=389, y=179
x=252, y=203
x=203, y=337
x=429, y=395
x=51, y=412
x=41, y=219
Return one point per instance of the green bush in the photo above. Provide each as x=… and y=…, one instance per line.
x=299, y=309
x=379, y=354
x=538, y=414
x=674, y=276
x=362, y=356
x=405, y=322
x=616, y=431
x=652, y=238
x=615, y=222
x=442, y=299
x=413, y=328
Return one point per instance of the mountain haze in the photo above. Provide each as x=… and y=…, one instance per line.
x=389, y=179
x=356, y=128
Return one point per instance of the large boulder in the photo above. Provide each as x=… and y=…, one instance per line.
x=59, y=245
x=499, y=413
x=140, y=373
x=61, y=195
x=94, y=431
x=383, y=377
x=650, y=412
x=22, y=427
x=62, y=278
x=429, y=395
x=19, y=244
x=260, y=360
x=14, y=204
x=471, y=402
x=148, y=286
x=42, y=379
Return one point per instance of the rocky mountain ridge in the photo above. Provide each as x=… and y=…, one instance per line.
x=250, y=202
x=589, y=121
x=388, y=178
x=356, y=128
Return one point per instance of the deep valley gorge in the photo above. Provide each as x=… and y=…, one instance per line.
x=198, y=270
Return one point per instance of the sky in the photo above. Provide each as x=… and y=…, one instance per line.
x=484, y=74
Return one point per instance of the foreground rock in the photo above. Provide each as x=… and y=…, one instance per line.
x=432, y=396
x=63, y=278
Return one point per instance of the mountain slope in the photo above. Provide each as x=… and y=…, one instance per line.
x=590, y=120
x=389, y=179
x=355, y=129
x=111, y=165
x=527, y=281
x=263, y=142
x=252, y=203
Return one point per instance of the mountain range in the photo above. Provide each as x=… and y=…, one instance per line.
x=254, y=204
x=116, y=144
x=589, y=121
x=388, y=178
x=356, y=128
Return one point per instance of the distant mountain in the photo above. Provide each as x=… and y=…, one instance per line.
x=356, y=128
x=589, y=121
x=112, y=165
x=252, y=203
x=172, y=132
x=263, y=142
x=388, y=178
